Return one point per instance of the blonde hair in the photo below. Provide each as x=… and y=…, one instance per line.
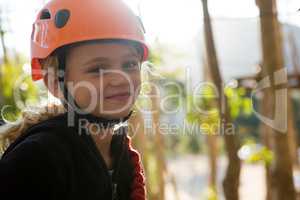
x=11, y=131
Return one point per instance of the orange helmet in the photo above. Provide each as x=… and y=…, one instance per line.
x=63, y=22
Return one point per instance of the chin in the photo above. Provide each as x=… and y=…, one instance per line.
x=113, y=114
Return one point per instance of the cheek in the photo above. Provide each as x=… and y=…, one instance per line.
x=85, y=91
x=93, y=93
x=137, y=89
x=136, y=80
x=83, y=94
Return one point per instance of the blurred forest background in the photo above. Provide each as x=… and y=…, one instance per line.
x=219, y=114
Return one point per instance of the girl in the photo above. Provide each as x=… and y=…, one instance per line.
x=90, y=53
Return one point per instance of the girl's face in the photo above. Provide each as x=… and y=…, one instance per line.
x=104, y=78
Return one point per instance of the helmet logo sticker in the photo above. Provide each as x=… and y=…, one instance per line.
x=61, y=18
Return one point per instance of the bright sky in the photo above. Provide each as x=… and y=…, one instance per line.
x=172, y=21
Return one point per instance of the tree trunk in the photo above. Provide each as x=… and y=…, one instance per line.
x=281, y=169
x=291, y=119
x=212, y=141
x=231, y=180
x=266, y=140
x=292, y=133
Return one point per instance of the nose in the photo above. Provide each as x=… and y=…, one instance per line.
x=118, y=77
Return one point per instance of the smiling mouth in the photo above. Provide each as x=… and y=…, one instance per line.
x=119, y=97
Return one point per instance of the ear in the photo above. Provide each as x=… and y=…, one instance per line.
x=51, y=81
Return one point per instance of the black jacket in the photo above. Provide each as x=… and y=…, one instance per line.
x=51, y=161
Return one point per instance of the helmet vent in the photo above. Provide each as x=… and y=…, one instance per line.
x=61, y=18
x=45, y=14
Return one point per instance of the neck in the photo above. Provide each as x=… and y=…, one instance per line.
x=102, y=139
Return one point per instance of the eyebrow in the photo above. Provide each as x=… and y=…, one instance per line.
x=131, y=54
x=99, y=59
